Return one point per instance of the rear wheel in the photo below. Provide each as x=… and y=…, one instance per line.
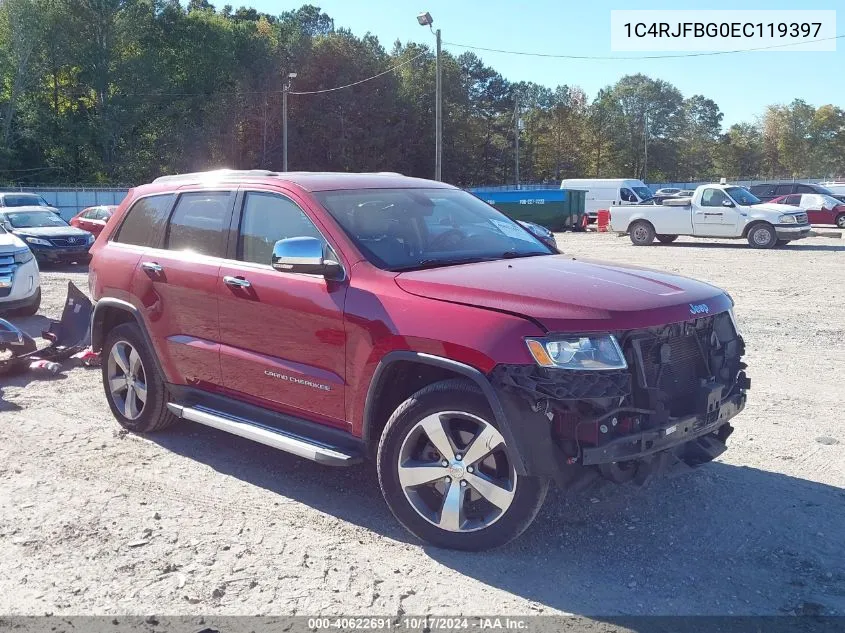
x=134, y=388
x=666, y=239
x=762, y=236
x=642, y=233
x=446, y=472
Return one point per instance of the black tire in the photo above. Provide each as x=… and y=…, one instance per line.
x=451, y=395
x=642, y=233
x=840, y=220
x=783, y=242
x=666, y=239
x=154, y=415
x=762, y=236
x=33, y=308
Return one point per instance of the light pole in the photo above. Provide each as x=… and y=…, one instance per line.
x=285, y=90
x=425, y=19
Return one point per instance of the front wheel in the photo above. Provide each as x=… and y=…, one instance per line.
x=762, y=236
x=446, y=471
x=840, y=220
x=666, y=239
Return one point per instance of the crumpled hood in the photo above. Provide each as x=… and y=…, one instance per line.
x=568, y=295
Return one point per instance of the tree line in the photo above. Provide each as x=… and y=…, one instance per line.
x=122, y=91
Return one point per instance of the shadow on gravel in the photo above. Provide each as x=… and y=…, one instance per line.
x=682, y=545
x=351, y=494
x=719, y=540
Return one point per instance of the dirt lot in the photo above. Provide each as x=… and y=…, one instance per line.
x=93, y=520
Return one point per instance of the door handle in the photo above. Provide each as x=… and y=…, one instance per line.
x=236, y=282
x=152, y=268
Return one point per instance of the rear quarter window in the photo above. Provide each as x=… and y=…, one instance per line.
x=145, y=221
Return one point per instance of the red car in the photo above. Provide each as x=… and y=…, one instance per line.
x=93, y=219
x=820, y=208
x=344, y=317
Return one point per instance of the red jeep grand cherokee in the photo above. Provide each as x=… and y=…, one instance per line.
x=341, y=317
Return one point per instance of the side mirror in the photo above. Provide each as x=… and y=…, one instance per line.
x=728, y=203
x=303, y=255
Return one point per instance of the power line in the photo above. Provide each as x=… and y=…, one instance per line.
x=618, y=58
x=389, y=70
x=85, y=93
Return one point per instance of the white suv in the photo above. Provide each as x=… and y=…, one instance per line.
x=20, y=285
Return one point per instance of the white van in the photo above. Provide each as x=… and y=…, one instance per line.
x=604, y=192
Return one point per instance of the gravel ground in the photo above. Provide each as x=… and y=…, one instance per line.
x=95, y=521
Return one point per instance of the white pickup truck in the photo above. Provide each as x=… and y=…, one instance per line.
x=716, y=210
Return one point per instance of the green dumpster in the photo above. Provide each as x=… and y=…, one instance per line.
x=556, y=209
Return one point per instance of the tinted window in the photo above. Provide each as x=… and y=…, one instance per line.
x=782, y=190
x=23, y=199
x=268, y=218
x=794, y=200
x=198, y=223
x=767, y=191
x=713, y=198
x=144, y=222
x=627, y=195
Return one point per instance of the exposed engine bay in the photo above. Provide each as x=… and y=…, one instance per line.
x=683, y=384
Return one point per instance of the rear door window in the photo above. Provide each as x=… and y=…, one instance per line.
x=145, y=221
x=805, y=189
x=782, y=190
x=200, y=223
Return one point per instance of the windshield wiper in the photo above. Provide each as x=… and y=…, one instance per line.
x=514, y=254
x=438, y=263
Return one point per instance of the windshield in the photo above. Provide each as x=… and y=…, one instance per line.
x=24, y=200
x=643, y=192
x=742, y=196
x=29, y=219
x=829, y=202
x=405, y=229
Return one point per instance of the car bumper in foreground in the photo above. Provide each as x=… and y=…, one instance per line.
x=789, y=232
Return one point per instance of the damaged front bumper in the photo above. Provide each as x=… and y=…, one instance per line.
x=670, y=436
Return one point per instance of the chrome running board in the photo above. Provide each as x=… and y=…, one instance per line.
x=276, y=438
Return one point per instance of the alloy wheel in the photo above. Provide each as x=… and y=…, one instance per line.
x=454, y=471
x=127, y=380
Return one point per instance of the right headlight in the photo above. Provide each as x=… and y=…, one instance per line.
x=590, y=353
x=23, y=256
x=787, y=219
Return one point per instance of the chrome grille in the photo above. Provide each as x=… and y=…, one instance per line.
x=77, y=242
x=7, y=274
x=801, y=218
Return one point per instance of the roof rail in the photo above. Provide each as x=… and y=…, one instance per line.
x=231, y=174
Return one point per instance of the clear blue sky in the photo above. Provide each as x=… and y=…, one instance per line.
x=743, y=84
